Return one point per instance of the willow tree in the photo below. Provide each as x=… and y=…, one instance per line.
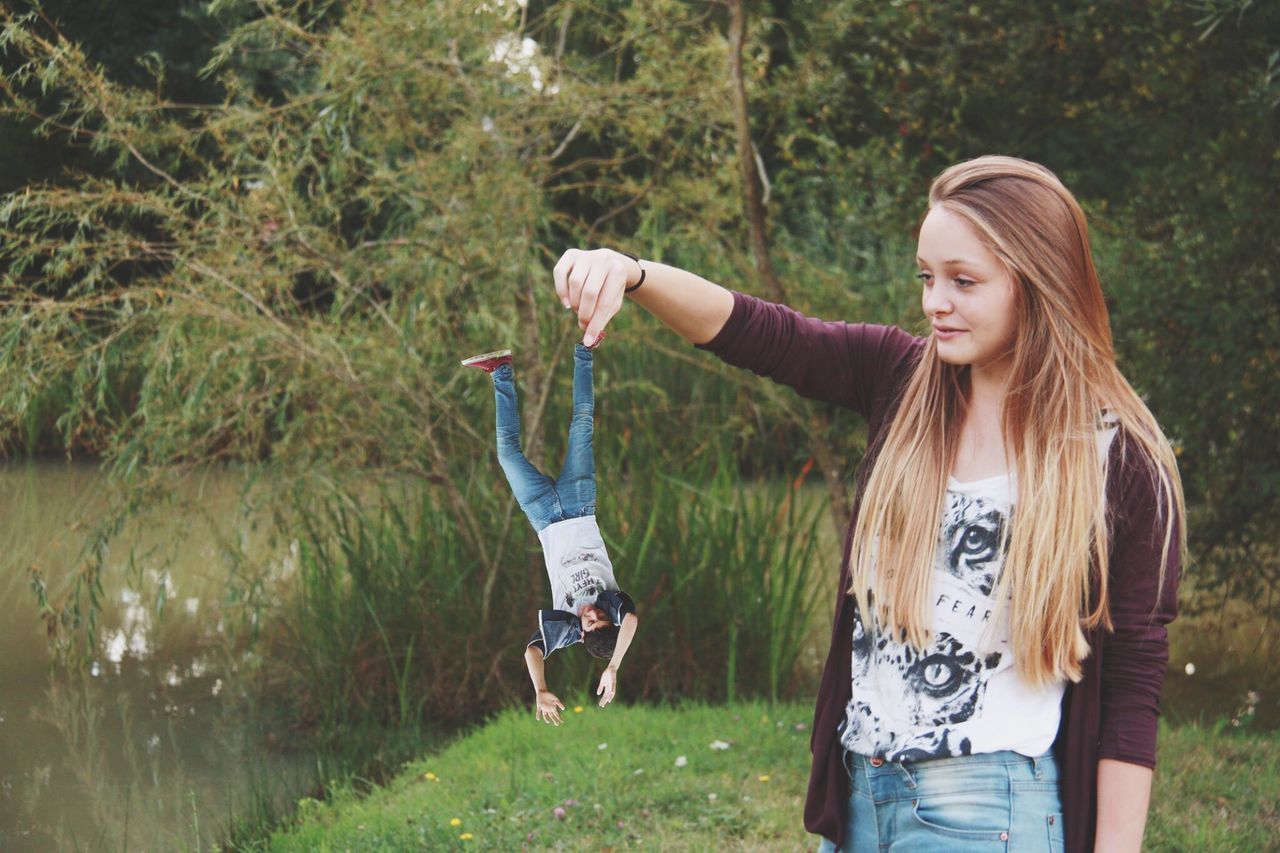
x=288, y=276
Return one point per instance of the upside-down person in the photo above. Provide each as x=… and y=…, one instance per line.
x=587, y=605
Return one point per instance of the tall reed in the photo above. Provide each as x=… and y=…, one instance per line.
x=383, y=620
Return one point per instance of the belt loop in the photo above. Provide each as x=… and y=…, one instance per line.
x=1035, y=763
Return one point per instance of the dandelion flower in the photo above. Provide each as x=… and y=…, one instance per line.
x=1190, y=669
x=719, y=744
x=681, y=761
x=577, y=709
x=466, y=836
x=763, y=777
x=429, y=776
x=456, y=822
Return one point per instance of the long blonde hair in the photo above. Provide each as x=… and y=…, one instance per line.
x=1063, y=376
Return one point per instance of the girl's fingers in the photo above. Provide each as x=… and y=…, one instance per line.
x=576, y=278
x=590, y=295
x=608, y=304
x=560, y=274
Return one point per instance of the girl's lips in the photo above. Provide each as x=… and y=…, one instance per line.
x=945, y=333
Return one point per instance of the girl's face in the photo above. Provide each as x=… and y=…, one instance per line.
x=968, y=295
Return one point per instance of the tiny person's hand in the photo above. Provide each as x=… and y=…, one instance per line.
x=608, y=686
x=591, y=283
x=548, y=707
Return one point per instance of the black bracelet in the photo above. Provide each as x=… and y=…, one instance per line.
x=635, y=286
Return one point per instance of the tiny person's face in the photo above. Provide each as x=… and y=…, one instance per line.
x=592, y=618
x=967, y=293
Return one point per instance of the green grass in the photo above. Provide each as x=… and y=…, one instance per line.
x=1215, y=790
x=504, y=781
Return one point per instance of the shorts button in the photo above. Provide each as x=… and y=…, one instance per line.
x=876, y=762
x=1004, y=836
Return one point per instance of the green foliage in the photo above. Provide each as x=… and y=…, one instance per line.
x=1197, y=301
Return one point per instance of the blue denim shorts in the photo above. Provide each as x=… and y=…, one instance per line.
x=999, y=801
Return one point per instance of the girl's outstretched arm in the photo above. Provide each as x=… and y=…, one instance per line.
x=850, y=364
x=592, y=284
x=609, y=679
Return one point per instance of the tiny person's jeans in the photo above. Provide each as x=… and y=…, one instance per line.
x=999, y=801
x=546, y=501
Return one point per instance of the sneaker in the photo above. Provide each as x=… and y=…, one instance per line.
x=490, y=361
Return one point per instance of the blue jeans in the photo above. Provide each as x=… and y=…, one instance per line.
x=999, y=801
x=546, y=501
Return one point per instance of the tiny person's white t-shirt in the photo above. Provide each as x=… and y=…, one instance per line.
x=577, y=563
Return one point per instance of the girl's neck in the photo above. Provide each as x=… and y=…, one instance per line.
x=987, y=387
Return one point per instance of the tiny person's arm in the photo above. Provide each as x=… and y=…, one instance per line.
x=548, y=707
x=609, y=678
x=1124, y=792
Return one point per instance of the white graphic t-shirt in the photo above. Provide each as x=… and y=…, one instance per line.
x=577, y=563
x=962, y=694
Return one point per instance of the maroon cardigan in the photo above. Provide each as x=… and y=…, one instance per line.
x=1111, y=712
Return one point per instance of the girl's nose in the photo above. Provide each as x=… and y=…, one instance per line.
x=935, y=303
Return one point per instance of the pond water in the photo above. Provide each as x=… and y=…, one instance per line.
x=142, y=748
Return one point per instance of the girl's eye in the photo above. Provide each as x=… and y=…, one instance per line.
x=925, y=277
x=964, y=282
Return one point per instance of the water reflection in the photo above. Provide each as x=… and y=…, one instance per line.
x=152, y=745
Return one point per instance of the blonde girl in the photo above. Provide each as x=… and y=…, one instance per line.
x=1012, y=557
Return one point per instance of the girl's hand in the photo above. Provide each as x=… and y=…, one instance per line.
x=591, y=283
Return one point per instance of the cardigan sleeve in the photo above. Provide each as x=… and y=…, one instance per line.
x=1136, y=654
x=842, y=363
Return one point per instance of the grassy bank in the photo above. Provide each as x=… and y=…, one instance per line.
x=649, y=778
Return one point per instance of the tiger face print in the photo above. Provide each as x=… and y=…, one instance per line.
x=970, y=540
x=920, y=694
